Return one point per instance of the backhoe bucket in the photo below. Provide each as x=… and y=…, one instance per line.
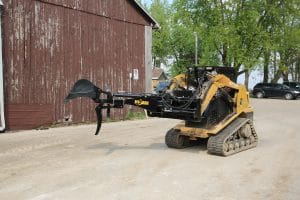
x=83, y=88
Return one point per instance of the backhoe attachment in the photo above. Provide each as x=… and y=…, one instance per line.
x=85, y=88
x=177, y=104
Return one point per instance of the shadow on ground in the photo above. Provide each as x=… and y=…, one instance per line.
x=195, y=147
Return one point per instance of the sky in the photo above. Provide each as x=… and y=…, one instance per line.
x=149, y=1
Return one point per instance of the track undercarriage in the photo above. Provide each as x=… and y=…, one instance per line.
x=238, y=136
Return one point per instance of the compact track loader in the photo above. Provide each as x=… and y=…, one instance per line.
x=207, y=99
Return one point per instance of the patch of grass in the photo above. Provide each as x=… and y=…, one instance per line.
x=135, y=115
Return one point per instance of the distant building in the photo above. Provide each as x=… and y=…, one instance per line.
x=49, y=44
x=158, y=75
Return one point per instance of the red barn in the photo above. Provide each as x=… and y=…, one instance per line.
x=49, y=44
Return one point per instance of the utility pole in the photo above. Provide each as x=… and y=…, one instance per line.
x=196, y=48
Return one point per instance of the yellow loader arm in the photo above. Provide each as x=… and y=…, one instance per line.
x=178, y=82
x=220, y=81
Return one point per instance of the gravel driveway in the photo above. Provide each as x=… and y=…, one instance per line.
x=129, y=160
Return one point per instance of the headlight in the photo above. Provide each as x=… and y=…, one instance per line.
x=296, y=92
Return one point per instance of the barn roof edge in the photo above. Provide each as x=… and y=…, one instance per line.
x=155, y=24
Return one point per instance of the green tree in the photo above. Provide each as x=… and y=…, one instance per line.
x=160, y=10
x=280, y=22
x=237, y=33
x=229, y=31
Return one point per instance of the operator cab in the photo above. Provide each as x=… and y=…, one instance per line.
x=197, y=75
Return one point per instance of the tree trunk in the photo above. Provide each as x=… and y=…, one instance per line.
x=285, y=76
x=247, y=75
x=277, y=76
x=154, y=61
x=298, y=70
x=293, y=72
x=237, y=69
x=266, y=66
x=275, y=66
x=224, y=56
x=285, y=70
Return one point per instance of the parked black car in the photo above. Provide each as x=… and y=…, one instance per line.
x=293, y=85
x=262, y=90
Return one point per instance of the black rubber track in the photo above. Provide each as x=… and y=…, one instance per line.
x=216, y=143
x=173, y=139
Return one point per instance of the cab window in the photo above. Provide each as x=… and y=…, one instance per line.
x=285, y=87
x=278, y=86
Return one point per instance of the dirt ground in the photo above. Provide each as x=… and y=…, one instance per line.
x=129, y=160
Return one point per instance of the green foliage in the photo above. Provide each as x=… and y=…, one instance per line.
x=160, y=10
x=280, y=23
x=182, y=48
x=235, y=33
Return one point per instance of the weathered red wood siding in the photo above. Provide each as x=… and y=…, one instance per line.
x=49, y=44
